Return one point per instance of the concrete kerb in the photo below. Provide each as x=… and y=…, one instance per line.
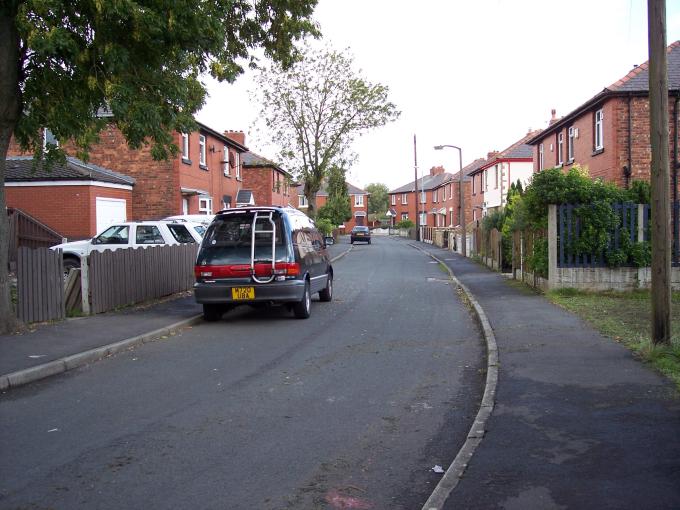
x=66, y=363
x=454, y=473
x=58, y=366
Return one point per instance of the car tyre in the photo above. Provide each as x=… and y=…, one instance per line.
x=326, y=294
x=303, y=309
x=212, y=312
x=369, y=241
x=69, y=264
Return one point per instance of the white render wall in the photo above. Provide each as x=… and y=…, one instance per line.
x=508, y=173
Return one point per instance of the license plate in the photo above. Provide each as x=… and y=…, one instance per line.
x=242, y=293
x=360, y=235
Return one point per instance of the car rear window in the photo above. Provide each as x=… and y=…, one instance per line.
x=181, y=234
x=228, y=240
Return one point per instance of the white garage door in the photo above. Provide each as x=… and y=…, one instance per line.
x=109, y=211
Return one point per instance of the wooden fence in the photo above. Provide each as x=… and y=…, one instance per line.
x=124, y=277
x=26, y=231
x=488, y=245
x=40, y=285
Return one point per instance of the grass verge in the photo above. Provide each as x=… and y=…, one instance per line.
x=625, y=317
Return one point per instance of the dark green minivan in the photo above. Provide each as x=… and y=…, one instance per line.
x=262, y=255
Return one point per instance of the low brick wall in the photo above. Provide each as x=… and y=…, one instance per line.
x=603, y=278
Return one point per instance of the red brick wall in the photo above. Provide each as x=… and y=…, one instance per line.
x=70, y=210
x=262, y=180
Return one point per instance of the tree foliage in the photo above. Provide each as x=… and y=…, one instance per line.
x=314, y=111
x=62, y=61
x=337, y=208
x=379, y=200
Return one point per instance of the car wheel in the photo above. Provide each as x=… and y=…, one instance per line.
x=303, y=309
x=326, y=294
x=369, y=241
x=212, y=313
x=70, y=264
x=351, y=242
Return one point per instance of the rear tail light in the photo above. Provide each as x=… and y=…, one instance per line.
x=242, y=270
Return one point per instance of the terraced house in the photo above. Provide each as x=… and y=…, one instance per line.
x=358, y=201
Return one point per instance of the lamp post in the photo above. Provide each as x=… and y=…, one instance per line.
x=461, y=201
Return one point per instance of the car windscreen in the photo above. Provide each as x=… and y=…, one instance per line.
x=117, y=234
x=229, y=238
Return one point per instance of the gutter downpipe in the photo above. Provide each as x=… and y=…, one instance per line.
x=676, y=164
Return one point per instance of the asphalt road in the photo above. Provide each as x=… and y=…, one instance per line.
x=350, y=408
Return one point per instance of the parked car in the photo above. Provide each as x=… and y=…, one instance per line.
x=203, y=219
x=360, y=233
x=131, y=235
x=262, y=255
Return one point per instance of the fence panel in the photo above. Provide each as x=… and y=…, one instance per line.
x=124, y=277
x=676, y=233
x=40, y=285
x=26, y=231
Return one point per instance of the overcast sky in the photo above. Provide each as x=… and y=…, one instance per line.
x=478, y=74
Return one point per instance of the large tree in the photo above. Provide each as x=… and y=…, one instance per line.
x=337, y=208
x=61, y=61
x=380, y=198
x=315, y=109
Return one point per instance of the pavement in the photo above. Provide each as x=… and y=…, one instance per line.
x=51, y=348
x=577, y=421
x=574, y=422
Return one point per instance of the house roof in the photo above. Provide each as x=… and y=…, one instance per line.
x=323, y=192
x=222, y=137
x=22, y=169
x=252, y=160
x=518, y=150
x=425, y=183
x=636, y=82
x=470, y=169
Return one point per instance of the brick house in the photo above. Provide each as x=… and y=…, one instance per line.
x=75, y=199
x=609, y=133
x=204, y=177
x=270, y=184
x=403, y=198
x=491, y=180
x=358, y=201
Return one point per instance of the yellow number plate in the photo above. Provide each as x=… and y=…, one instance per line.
x=242, y=293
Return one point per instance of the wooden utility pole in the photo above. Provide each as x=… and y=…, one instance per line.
x=660, y=173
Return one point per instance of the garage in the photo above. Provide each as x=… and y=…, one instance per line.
x=110, y=211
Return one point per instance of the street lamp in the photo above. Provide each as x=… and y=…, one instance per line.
x=461, y=201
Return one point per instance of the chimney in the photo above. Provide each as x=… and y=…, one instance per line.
x=237, y=136
x=436, y=170
x=492, y=155
x=553, y=117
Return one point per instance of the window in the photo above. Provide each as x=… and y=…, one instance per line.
x=201, y=149
x=570, y=144
x=118, y=234
x=423, y=218
x=205, y=206
x=486, y=180
x=302, y=201
x=474, y=186
x=49, y=139
x=394, y=199
x=148, y=234
x=540, y=157
x=181, y=234
x=358, y=200
x=404, y=216
x=185, y=146
x=435, y=195
x=560, y=148
x=237, y=164
x=423, y=198
x=225, y=163
x=450, y=191
x=403, y=198
x=599, y=130
x=496, y=175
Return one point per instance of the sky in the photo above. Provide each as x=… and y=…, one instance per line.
x=478, y=74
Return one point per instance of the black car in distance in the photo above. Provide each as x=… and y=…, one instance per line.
x=361, y=234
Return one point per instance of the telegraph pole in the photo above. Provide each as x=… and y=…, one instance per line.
x=415, y=166
x=660, y=173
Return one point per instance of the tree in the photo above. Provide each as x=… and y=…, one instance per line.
x=379, y=201
x=62, y=61
x=316, y=109
x=337, y=208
